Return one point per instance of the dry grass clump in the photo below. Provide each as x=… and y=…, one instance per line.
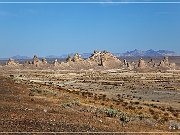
x=72, y=103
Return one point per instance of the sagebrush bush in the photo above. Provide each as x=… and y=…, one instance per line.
x=124, y=118
x=111, y=112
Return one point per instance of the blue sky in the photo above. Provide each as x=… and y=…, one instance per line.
x=46, y=29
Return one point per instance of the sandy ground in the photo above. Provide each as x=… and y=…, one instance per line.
x=89, y=101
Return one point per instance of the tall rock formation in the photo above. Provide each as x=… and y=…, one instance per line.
x=105, y=59
x=36, y=61
x=56, y=63
x=165, y=64
x=141, y=64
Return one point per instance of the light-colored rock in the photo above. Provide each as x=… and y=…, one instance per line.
x=172, y=65
x=44, y=61
x=162, y=64
x=105, y=59
x=141, y=64
x=11, y=62
x=36, y=61
x=56, y=63
x=166, y=61
x=77, y=58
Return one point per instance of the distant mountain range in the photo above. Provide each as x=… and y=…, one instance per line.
x=84, y=55
x=134, y=53
x=149, y=53
x=20, y=57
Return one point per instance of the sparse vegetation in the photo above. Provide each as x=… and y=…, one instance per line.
x=94, y=94
x=124, y=119
x=72, y=103
x=34, y=91
x=110, y=112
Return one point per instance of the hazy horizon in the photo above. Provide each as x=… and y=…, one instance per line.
x=57, y=29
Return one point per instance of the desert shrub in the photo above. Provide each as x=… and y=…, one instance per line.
x=131, y=107
x=11, y=76
x=83, y=94
x=155, y=106
x=107, y=99
x=90, y=94
x=111, y=112
x=141, y=116
x=151, y=111
x=76, y=92
x=118, y=95
x=72, y=103
x=170, y=109
x=166, y=114
x=104, y=97
x=102, y=103
x=125, y=104
x=100, y=110
x=163, y=108
x=95, y=97
x=156, y=116
x=139, y=107
x=124, y=118
x=111, y=106
x=174, y=125
x=136, y=102
x=176, y=114
x=34, y=90
x=31, y=94
x=163, y=120
x=121, y=100
x=115, y=100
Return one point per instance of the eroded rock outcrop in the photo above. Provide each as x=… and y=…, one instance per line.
x=127, y=65
x=36, y=61
x=98, y=60
x=166, y=61
x=56, y=63
x=172, y=65
x=141, y=64
x=166, y=65
x=44, y=61
x=105, y=59
x=77, y=58
x=11, y=62
x=68, y=59
x=96, y=57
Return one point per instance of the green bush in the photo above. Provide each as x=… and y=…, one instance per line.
x=124, y=118
x=111, y=112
